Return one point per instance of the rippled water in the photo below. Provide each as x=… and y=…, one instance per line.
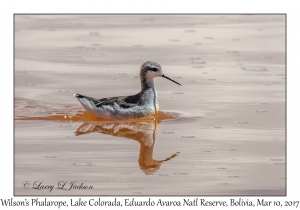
x=221, y=133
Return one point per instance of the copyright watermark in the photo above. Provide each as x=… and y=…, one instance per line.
x=26, y=185
x=61, y=185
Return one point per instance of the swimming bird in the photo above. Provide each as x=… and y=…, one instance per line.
x=129, y=107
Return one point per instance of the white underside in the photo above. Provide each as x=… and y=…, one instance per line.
x=116, y=112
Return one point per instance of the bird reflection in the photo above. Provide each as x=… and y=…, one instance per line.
x=142, y=131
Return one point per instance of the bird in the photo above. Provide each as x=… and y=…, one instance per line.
x=135, y=106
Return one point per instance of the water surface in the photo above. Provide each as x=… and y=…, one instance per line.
x=221, y=133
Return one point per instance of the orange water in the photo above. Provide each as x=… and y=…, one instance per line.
x=221, y=133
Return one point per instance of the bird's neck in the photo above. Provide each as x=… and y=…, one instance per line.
x=149, y=91
x=147, y=83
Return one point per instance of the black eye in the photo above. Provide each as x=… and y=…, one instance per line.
x=154, y=69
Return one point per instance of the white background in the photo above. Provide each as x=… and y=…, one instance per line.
x=8, y=8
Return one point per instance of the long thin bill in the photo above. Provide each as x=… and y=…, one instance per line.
x=170, y=79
